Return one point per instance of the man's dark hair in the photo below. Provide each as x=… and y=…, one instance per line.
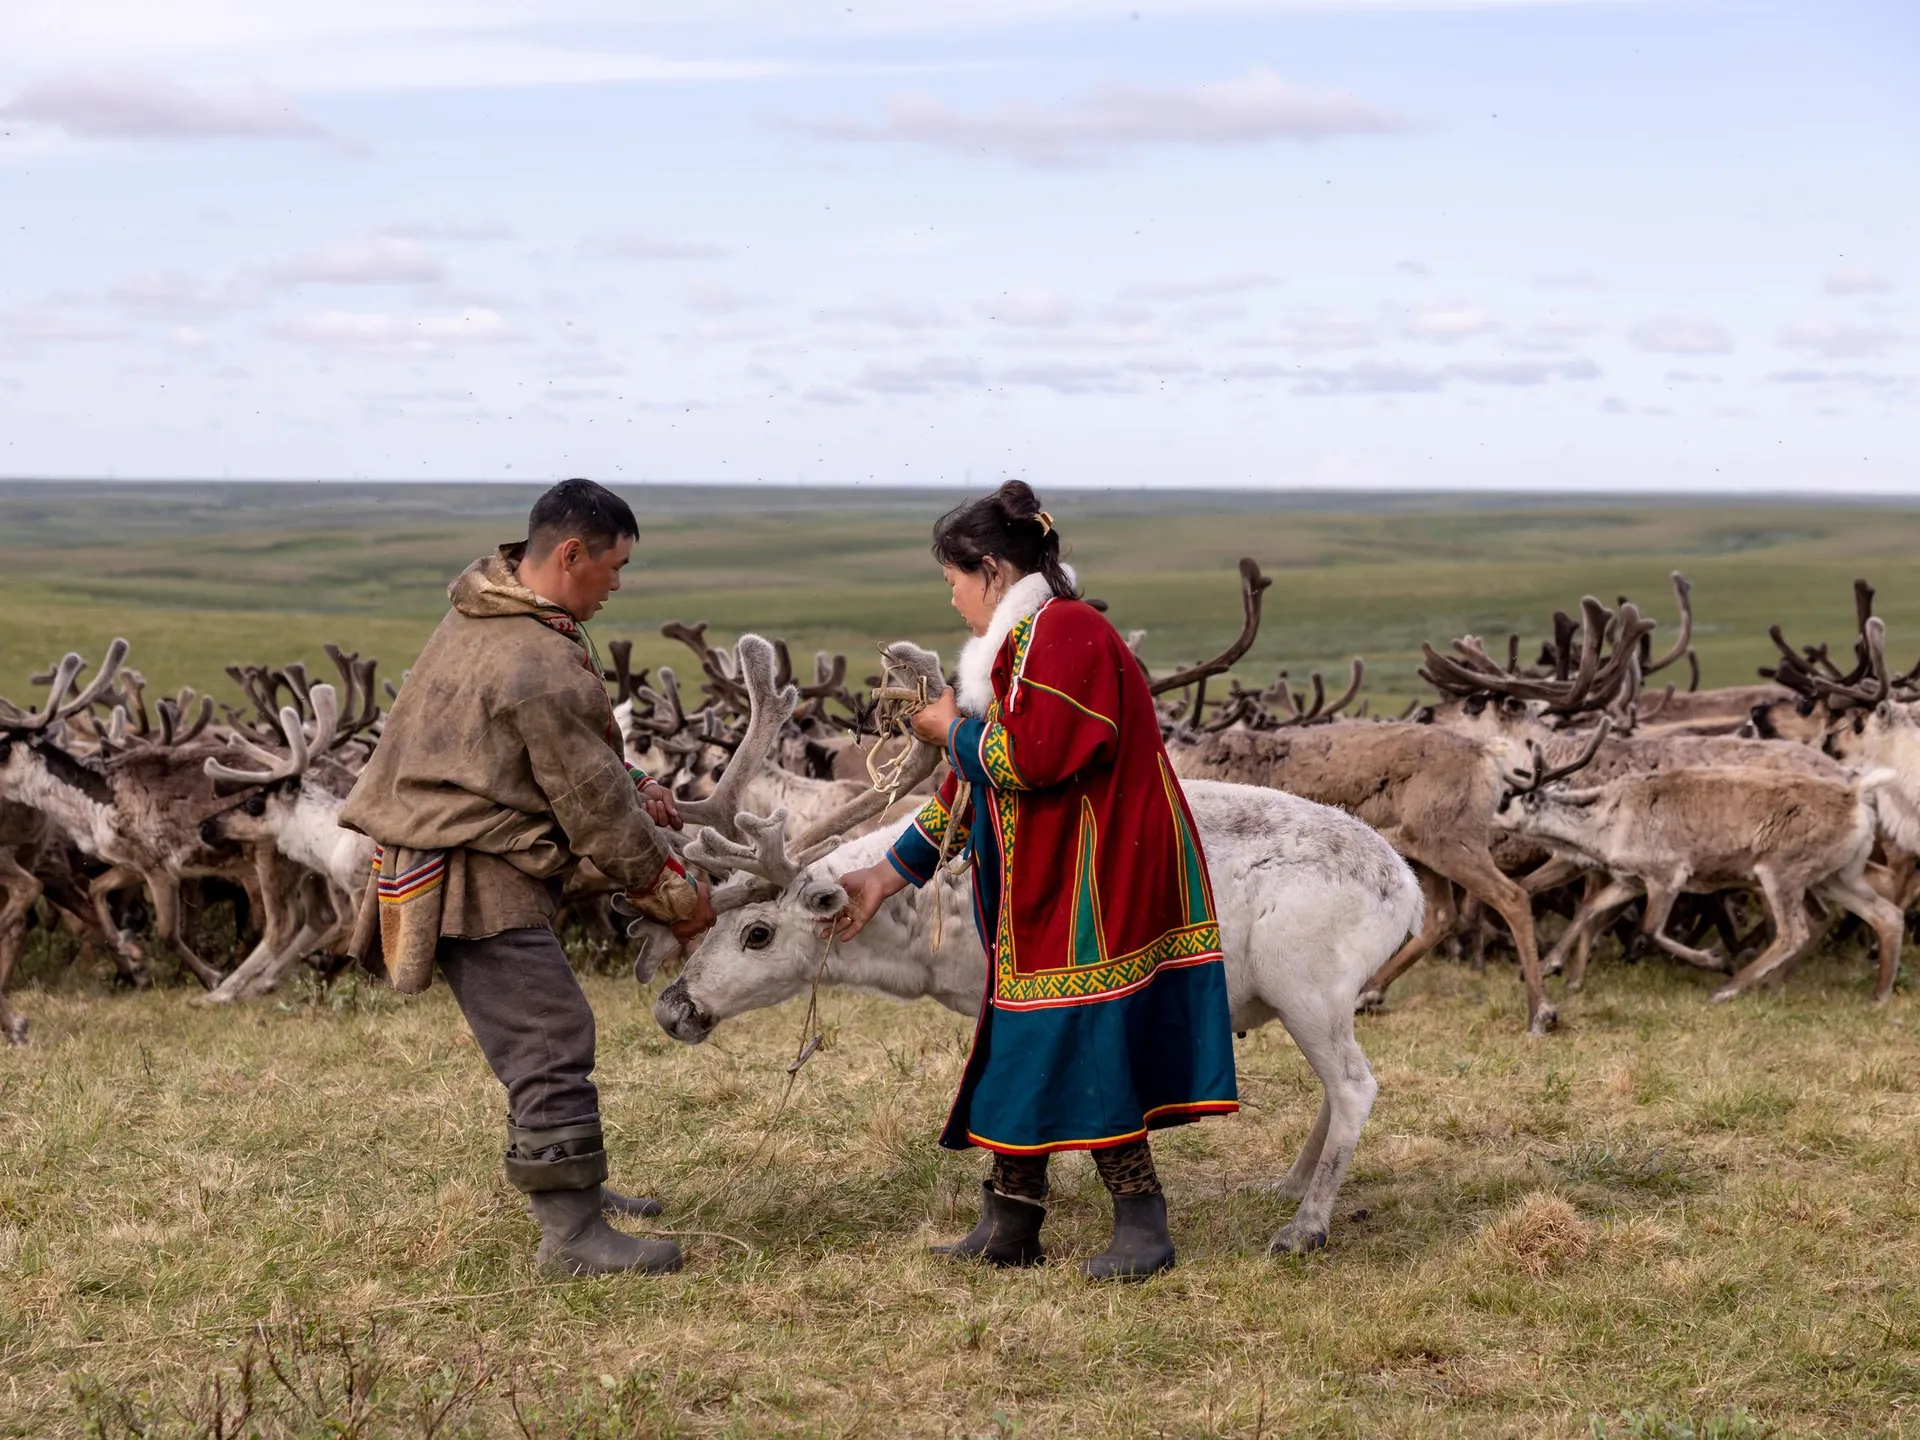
x=593, y=513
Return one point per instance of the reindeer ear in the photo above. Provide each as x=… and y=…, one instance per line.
x=825, y=898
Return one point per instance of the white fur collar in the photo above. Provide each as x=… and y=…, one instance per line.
x=1028, y=594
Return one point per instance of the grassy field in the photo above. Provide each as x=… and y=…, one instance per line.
x=198, y=577
x=1670, y=1219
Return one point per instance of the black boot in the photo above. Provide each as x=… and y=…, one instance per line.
x=1008, y=1233
x=612, y=1202
x=576, y=1240
x=560, y=1171
x=1140, y=1246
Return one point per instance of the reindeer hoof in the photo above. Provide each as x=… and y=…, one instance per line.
x=1544, y=1019
x=1370, y=1002
x=1726, y=992
x=17, y=1031
x=1297, y=1239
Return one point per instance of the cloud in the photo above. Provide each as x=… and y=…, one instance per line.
x=884, y=311
x=924, y=376
x=1182, y=290
x=1253, y=109
x=1555, y=334
x=708, y=298
x=448, y=232
x=352, y=330
x=1445, y=324
x=1853, y=280
x=650, y=247
x=172, y=295
x=1576, y=280
x=1315, y=331
x=1682, y=335
x=137, y=107
x=1837, y=341
x=1041, y=309
x=1381, y=377
x=383, y=260
x=54, y=321
x=1068, y=379
x=1878, y=381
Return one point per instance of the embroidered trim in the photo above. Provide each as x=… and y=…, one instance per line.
x=1090, y=714
x=932, y=820
x=1088, y=984
x=1191, y=1107
x=425, y=876
x=996, y=757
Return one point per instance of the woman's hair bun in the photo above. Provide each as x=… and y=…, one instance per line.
x=1008, y=525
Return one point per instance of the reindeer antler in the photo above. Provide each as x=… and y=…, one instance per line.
x=326, y=716
x=1253, y=585
x=1525, y=782
x=64, y=675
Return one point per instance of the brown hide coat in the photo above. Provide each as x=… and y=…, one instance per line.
x=501, y=751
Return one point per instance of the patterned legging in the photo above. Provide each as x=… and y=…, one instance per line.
x=1124, y=1170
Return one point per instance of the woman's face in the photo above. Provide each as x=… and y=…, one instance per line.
x=975, y=595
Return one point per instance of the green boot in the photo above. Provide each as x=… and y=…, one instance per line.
x=561, y=1170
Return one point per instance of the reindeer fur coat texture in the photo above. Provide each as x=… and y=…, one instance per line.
x=501, y=751
x=1106, y=1016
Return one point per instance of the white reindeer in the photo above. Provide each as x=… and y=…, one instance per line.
x=1312, y=903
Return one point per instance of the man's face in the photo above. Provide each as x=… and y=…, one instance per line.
x=586, y=580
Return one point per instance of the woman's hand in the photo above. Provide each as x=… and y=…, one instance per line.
x=932, y=723
x=867, y=890
x=658, y=801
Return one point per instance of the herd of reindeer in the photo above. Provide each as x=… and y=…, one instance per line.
x=1730, y=829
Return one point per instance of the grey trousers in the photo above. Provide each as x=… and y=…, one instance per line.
x=531, y=1020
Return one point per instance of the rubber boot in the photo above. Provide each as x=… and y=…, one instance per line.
x=561, y=1171
x=1008, y=1233
x=644, y=1207
x=576, y=1240
x=1140, y=1246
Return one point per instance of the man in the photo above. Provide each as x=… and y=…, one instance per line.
x=499, y=772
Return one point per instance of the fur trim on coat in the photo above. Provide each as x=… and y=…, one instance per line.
x=1029, y=593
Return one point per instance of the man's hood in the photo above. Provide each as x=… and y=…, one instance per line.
x=491, y=587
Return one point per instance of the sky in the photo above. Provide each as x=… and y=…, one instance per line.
x=1451, y=244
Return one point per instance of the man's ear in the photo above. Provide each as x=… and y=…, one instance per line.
x=572, y=551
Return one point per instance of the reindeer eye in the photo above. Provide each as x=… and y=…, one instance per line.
x=757, y=936
x=256, y=805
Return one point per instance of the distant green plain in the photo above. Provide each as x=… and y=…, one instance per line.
x=198, y=576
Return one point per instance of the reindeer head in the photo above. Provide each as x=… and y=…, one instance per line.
x=270, y=793
x=766, y=946
x=766, y=943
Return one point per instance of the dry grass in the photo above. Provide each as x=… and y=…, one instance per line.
x=1672, y=1219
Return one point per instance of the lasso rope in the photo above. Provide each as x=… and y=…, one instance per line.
x=896, y=702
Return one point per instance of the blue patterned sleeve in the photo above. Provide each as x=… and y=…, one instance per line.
x=916, y=854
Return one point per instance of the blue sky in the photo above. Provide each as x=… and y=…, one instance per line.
x=1619, y=245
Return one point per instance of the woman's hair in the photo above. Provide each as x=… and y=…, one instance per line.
x=1009, y=526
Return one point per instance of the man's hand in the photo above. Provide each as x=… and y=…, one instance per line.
x=660, y=807
x=701, y=921
x=932, y=723
x=867, y=890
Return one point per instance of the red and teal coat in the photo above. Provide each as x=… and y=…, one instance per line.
x=1106, y=1011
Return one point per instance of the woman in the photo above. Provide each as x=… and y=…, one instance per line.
x=1106, y=1009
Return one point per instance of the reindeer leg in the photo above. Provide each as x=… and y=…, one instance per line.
x=129, y=957
x=1660, y=897
x=1602, y=899
x=1862, y=898
x=1481, y=878
x=315, y=928
x=1439, y=919
x=23, y=893
x=1324, y=1034
x=1791, y=935
x=270, y=881
x=1550, y=875
x=169, y=923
